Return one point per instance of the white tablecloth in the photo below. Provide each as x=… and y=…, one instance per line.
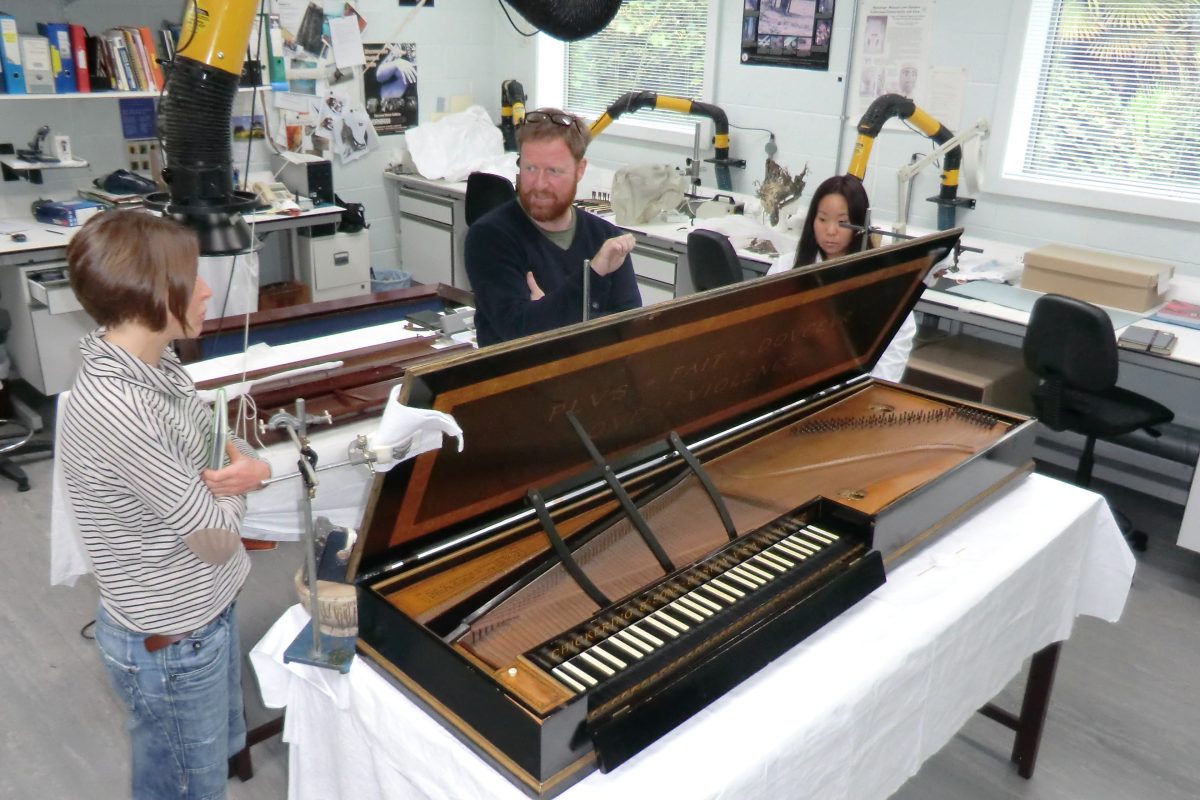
x=852, y=712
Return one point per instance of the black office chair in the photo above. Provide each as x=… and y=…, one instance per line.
x=711, y=260
x=16, y=437
x=486, y=191
x=1071, y=347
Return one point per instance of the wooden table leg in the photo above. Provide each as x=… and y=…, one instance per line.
x=240, y=763
x=1036, y=703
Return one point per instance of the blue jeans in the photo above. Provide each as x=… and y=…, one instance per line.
x=184, y=703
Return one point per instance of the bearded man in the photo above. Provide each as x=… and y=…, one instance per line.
x=525, y=258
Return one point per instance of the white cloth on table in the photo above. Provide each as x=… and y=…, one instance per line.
x=896, y=676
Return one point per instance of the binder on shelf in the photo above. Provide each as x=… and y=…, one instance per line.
x=100, y=71
x=62, y=57
x=10, y=56
x=275, y=67
x=78, y=36
x=39, y=70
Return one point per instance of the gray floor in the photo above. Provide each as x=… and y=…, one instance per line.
x=1122, y=724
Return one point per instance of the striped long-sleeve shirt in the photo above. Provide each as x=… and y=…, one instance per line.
x=133, y=440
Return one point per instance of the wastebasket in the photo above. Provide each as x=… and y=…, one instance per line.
x=385, y=280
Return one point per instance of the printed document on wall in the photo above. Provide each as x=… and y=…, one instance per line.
x=892, y=50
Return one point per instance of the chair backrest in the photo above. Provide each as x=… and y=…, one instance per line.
x=485, y=191
x=1071, y=341
x=712, y=260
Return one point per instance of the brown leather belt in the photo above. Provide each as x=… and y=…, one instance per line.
x=157, y=641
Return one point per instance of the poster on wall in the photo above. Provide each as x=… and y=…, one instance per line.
x=390, y=86
x=892, y=52
x=787, y=33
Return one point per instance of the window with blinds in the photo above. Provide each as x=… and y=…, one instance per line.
x=651, y=45
x=1109, y=97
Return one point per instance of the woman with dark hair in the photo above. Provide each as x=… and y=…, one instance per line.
x=160, y=528
x=839, y=199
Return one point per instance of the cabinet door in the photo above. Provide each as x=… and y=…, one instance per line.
x=656, y=273
x=427, y=250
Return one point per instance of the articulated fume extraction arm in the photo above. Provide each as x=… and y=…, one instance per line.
x=893, y=105
x=634, y=101
x=193, y=124
x=194, y=114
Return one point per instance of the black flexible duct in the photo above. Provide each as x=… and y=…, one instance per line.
x=193, y=124
x=568, y=20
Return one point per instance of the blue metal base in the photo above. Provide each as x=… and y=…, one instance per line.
x=337, y=652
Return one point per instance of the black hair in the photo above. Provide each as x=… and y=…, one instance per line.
x=857, y=202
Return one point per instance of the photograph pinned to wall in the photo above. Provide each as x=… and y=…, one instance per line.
x=310, y=35
x=787, y=33
x=348, y=10
x=390, y=86
x=245, y=131
x=343, y=128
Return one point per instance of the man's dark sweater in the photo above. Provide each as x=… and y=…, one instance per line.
x=504, y=244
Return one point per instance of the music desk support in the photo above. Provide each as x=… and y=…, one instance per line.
x=896, y=676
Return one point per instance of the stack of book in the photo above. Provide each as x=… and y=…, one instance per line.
x=112, y=200
x=130, y=59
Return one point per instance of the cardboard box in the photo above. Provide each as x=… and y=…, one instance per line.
x=973, y=369
x=1107, y=279
x=68, y=213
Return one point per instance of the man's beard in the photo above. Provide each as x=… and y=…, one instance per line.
x=545, y=213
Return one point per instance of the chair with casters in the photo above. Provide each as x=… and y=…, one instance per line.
x=1071, y=347
x=16, y=436
x=486, y=191
x=712, y=261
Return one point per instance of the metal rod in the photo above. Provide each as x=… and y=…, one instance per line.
x=587, y=289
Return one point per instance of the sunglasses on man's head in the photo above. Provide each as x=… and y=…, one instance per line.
x=557, y=117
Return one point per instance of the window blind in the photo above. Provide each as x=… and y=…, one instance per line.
x=651, y=45
x=1115, y=99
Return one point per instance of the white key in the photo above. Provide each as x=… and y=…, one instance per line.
x=578, y=673
x=754, y=569
x=725, y=597
x=775, y=558
x=616, y=641
x=733, y=576
x=725, y=587
x=595, y=662
x=804, y=545
x=691, y=606
x=743, y=571
x=768, y=564
x=641, y=631
x=818, y=541
x=607, y=656
x=662, y=626
x=794, y=550
x=567, y=680
x=636, y=641
x=830, y=535
x=672, y=620
x=700, y=599
x=679, y=609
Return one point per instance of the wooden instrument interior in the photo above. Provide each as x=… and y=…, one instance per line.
x=863, y=451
